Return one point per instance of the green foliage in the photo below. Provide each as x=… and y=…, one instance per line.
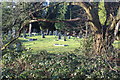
x=102, y=13
x=57, y=66
x=61, y=11
x=85, y=46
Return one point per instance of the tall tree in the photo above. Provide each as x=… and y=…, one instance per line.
x=103, y=31
x=60, y=15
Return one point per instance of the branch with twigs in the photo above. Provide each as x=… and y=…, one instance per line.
x=31, y=21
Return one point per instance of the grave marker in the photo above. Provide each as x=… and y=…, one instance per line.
x=9, y=34
x=59, y=35
x=56, y=33
x=65, y=35
x=24, y=34
x=42, y=33
x=50, y=32
x=13, y=32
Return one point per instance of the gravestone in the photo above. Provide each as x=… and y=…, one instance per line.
x=50, y=32
x=24, y=34
x=13, y=32
x=56, y=33
x=59, y=35
x=69, y=37
x=42, y=34
x=9, y=34
x=47, y=32
x=65, y=35
x=79, y=35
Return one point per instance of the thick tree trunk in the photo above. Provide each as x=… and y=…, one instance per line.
x=103, y=43
x=98, y=43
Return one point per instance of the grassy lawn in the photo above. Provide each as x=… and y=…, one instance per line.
x=116, y=44
x=48, y=42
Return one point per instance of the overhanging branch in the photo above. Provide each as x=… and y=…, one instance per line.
x=30, y=21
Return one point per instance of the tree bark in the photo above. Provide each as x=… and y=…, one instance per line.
x=98, y=43
x=103, y=45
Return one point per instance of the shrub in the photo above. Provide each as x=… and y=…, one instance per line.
x=57, y=66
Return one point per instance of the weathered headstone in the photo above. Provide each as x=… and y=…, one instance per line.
x=24, y=33
x=65, y=35
x=56, y=33
x=79, y=35
x=42, y=33
x=13, y=32
x=50, y=32
x=9, y=34
x=69, y=37
x=59, y=35
x=47, y=32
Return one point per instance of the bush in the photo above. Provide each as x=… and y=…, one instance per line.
x=56, y=66
x=85, y=46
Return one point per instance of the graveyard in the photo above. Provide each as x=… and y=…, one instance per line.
x=60, y=40
x=50, y=44
x=54, y=45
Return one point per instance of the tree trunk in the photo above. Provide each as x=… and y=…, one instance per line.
x=30, y=27
x=103, y=43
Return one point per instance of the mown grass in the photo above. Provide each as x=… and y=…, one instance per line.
x=116, y=44
x=48, y=42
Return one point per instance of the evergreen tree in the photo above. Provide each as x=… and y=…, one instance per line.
x=61, y=11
